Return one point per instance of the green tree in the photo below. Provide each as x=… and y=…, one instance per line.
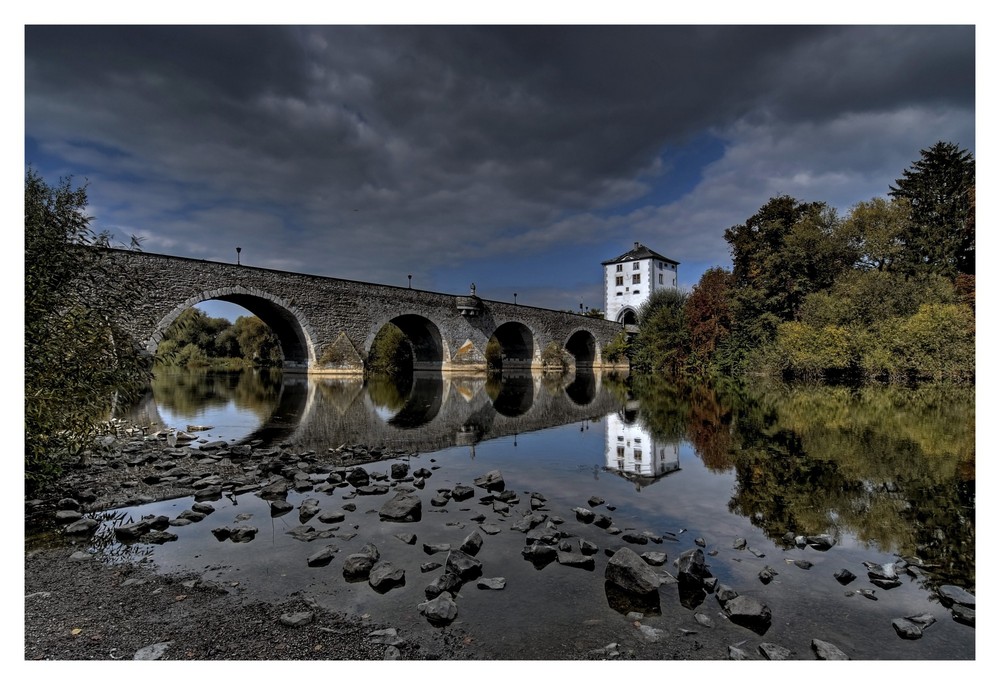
x=939, y=191
x=878, y=228
x=662, y=344
x=391, y=352
x=257, y=342
x=77, y=357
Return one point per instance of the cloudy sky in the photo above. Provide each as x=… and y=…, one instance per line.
x=515, y=157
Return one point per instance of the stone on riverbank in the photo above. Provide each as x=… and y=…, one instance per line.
x=404, y=507
x=628, y=571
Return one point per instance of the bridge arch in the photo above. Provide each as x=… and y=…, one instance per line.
x=296, y=336
x=430, y=349
x=518, y=347
x=583, y=346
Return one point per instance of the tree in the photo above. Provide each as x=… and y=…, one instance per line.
x=783, y=253
x=707, y=313
x=661, y=345
x=877, y=228
x=257, y=342
x=77, y=357
x=939, y=190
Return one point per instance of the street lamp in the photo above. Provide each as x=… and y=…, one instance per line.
x=238, y=250
x=515, y=298
x=409, y=280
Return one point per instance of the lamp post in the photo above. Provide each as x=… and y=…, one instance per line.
x=238, y=250
x=409, y=280
x=515, y=298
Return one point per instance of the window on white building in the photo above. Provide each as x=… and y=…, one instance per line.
x=618, y=268
x=661, y=279
x=636, y=278
x=635, y=266
x=619, y=280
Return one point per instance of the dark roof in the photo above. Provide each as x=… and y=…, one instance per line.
x=638, y=252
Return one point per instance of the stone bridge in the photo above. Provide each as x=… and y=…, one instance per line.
x=327, y=325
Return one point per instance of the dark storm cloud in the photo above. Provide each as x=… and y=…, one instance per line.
x=350, y=141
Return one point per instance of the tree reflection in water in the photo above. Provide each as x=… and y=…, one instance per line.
x=892, y=466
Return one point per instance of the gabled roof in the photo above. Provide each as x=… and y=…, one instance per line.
x=639, y=251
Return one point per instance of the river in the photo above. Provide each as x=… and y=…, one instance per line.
x=741, y=472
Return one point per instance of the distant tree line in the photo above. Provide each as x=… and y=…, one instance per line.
x=195, y=340
x=886, y=293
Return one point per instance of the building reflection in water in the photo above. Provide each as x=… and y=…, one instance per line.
x=631, y=452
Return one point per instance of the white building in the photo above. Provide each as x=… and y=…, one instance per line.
x=630, y=279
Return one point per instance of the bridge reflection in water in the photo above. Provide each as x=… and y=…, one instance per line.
x=421, y=413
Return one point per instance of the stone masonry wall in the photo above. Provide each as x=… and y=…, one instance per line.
x=312, y=313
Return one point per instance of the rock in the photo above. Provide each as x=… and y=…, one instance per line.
x=408, y=538
x=691, y=567
x=446, y=582
x=130, y=532
x=384, y=576
x=358, y=477
x=280, y=507
x=704, y=620
x=700, y=542
x=81, y=556
x=460, y=493
x=826, y=651
x=964, y=614
x=650, y=634
x=575, y=560
x=844, y=577
x=399, y=471
x=885, y=571
x=307, y=509
x=538, y=553
x=276, y=489
x=803, y=564
x=595, y=501
x=85, y=526
x=438, y=547
x=430, y=566
x=152, y=652
x=404, y=507
x=635, y=538
x=392, y=653
x=492, y=480
x=67, y=516
x=739, y=543
x=242, y=533
x=767, y=574
x=489, y=528
x=358, y=566
x=756, y=552
x=747, y=612
x=737, y=654
x=952, y=594
x=885, y=584
x=602, y=521
x=389, y=636
x=439, y=610
x=773, y=652
x=222, y=533
x=422, y=474
x=332, y=516
x=820, y=542
x=372, y=490
x=68, y=503
x=297, y=619
x=322, y=557
x=472, y=543
x=491, y=583
x=628, y=571
x=158, y=537
x=587, y=547
x=463, y=565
